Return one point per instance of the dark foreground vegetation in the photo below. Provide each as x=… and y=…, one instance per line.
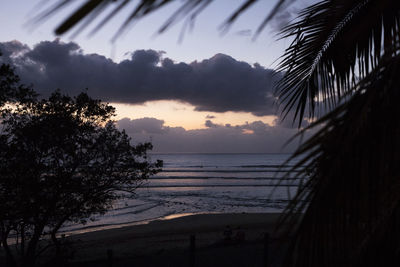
x=61, y=160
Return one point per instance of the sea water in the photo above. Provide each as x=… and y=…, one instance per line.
x=204, y=183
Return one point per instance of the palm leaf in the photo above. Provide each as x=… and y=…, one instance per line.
x=333, y=47
x=349, y=206
x=91, y=9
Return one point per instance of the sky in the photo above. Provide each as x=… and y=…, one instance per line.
x=206, y=92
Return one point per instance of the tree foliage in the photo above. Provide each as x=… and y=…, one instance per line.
x=62, y=160
x=11, y=90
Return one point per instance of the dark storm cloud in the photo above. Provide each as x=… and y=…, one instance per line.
x=217, y=84
x=12, y=49
x=254, y=137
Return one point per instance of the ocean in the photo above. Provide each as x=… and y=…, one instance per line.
x=203, y=183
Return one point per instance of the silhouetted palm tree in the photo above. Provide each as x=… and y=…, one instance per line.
x=344, y=66
x=345, y=57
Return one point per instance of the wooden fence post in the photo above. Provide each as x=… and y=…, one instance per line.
x=192, y=250
x=109, y=258
x=266, y=244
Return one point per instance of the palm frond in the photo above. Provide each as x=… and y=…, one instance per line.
x=91, y=9
x=333, y=48
x=349, y=205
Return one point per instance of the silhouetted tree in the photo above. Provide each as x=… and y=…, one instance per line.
x=11, y=90
x=62, y=160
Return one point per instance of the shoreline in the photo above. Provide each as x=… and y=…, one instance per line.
x=96, y=228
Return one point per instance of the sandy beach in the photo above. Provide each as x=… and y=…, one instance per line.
x=167, y=242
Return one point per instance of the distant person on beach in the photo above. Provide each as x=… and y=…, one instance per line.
x=228, y=233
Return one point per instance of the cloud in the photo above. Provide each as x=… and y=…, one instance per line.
x=142, y=126
x=210, y=124
x=288, y=122
x=285, y=17
x=12, y=49
x=246, y=32
x=217, y=84
x=254, y=137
